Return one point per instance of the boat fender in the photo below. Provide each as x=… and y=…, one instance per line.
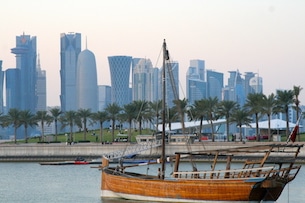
x=158, y=161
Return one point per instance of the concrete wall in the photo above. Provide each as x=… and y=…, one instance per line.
x=96, y=149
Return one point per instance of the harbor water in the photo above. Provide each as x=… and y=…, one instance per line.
x=35, y=183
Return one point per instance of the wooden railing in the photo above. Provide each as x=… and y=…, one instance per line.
x=225, y=174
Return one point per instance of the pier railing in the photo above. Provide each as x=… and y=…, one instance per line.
x=133, y=149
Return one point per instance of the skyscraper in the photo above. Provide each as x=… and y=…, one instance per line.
x=41, y=88
x=12, y=90
x=104, y=94
x=25, y=52
x=196, y=86
x=143, y=82
x=120, y=73
x=248, y=76
x=86, y=81
x=235, y=90
x=70, y=47
x=199, y=65
x=196, y=90
x=214, y=84
x=171, y=86
x=256, y=84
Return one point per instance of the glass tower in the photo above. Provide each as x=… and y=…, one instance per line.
x=196, y=86
x=104, y=94
x=41, y=88
x=143, y=82
x=12, y=88
x=25, y=52
x=119, y=73
x=70, y=47
x=214, y=84
x=170, y=86
x=86, y=82
x=236, y=88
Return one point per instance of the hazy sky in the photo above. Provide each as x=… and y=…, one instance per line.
x=263, y=36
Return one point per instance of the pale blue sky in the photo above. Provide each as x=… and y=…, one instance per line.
x=264, y=36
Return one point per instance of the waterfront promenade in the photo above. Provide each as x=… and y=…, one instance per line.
x=61, y=151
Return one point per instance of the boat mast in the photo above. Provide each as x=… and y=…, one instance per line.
x=163, y=159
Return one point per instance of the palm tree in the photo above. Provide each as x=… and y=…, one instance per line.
x=44, y=118
x=285, y=99
x=84, y=115
x=181, y=108
x=241, y=117
x=55, y=113
x=212, y=113
x=27, y=119
x=156, y=111
x=129, y=114
x=226, y=109
x=170, y=116
x=101, y=117
x=142, y=113
x=13, y=118
x=254, y=106
x=113, y=110
x=269, y=108
x=69, y=119
x=296, y=92
x=198, y=112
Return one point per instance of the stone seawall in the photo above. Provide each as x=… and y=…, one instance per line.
x=61, y=151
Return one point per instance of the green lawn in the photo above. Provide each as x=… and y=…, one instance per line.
x=91, y=136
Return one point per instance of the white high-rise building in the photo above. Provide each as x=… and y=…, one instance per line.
x=144, y=83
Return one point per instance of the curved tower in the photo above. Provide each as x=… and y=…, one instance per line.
x=86, y=81
x=119, y=73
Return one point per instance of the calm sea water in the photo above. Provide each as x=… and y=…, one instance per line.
x=34, y=183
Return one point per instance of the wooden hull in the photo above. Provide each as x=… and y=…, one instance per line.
x=132, y=186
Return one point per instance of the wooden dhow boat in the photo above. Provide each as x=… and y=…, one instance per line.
x=267, y=168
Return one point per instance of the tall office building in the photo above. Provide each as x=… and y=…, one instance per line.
x=196, y=86
x=120, y=72
x=235, y=90
x=171, y=86
x=12, y=90
x=104, y=95
x=1, y=87
x=199, y=66
x=143, y=80
x=70, y=47
x=214, y=84
x=248, y=77
x=86, y=82
x=41, y=88
x=256, y=84
x=25, y=52
x=196, y=90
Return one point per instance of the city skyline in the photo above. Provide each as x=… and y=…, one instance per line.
x=264, y=37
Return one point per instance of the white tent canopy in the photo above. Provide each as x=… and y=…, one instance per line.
x=274, y=124
x=191, y=124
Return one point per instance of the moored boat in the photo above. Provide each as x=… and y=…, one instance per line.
x=262, y=177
